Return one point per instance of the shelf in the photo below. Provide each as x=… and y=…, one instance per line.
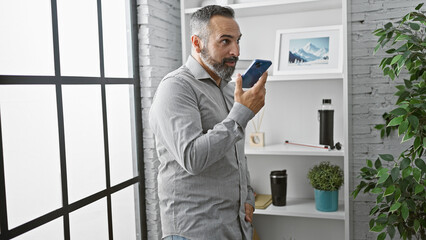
x=284, y=149
x=331, y=76
x=302, y=208
x=249, y=9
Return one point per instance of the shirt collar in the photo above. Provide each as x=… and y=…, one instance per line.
x=199, y=72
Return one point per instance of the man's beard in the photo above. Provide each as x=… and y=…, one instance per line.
x=220, y=68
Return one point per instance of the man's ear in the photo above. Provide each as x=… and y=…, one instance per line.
x=196, y=43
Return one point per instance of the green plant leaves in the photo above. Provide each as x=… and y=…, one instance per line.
x=420, y=164
x=414, y=121
x=389, y=190
x=395, y=173
x=396, y=121
x=404, y=211
x=395, y=207
x=381, y=236
x=386, y=157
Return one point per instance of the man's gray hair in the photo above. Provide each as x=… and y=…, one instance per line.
x=200, y=19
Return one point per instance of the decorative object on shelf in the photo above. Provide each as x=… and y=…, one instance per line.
x=326, y=123
x=257, y=139
x=326, y=179
x=216, y=2
x=279, y=187
x=262, y=201
x=305, y=51
x=400, y=183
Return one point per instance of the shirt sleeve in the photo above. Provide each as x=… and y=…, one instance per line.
x=176, y=121
x=250, y=191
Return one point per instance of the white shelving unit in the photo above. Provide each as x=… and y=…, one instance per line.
x=291, y=111
x=290, y=150
x=300, y=207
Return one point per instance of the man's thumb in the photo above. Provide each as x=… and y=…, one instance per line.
x=238, y=83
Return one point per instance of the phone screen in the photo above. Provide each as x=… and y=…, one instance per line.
x=254, y=72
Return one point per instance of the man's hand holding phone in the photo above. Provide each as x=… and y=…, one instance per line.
x=253, y=98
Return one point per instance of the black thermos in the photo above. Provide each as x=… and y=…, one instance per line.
x=279, y=187
x=326, y=122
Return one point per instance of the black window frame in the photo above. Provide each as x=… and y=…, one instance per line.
x=58, y=81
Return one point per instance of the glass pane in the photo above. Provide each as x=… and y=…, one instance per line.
x=31, y=151
x=78, y=38
x=124, y=213
x=120, y=113
x=53, y=230
x=117, y=38
x=84, y=140
x=26, y=42
x=90, y=222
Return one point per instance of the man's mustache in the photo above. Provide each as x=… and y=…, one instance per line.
x=231, y=59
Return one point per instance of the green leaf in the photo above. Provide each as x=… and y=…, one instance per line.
x=391, y=230
x=414, y=121
x=418, y=189
x=414, y=26
x=396, y=121
x=404, y=211
x=381, y=236
x=399, y=111
x=417, y=143
x=389, y=190
x=378, y=228
x=376, y=48
x=383, y=178
x=420, y=164
x=397, y=194
x=416, y=225
x=395, y=207
x=403, y=127
x=388, y=25
x=417, y=173
x=369, y=163
x=378, y=164
x=395, y=173
x=376, y=190
x=404, y=163
x=386, y=157
x=392, y=74
x=395, y=59
x=408, y=84
x=424, y=140
x=402, y=37
x=407, y=172
x=419, y=6
x=379, y=126
x=374, y=210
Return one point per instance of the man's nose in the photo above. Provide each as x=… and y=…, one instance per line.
x=235, y=49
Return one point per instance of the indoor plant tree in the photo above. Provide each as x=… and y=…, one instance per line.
x=399, y=183
x=326, y=179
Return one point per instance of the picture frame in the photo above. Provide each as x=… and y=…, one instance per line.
x=314, y=51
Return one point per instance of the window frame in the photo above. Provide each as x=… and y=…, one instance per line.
x=58, y=81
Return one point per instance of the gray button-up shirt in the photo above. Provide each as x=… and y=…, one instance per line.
x=203, y=180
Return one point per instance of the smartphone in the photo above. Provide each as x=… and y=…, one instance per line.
x=254, y=72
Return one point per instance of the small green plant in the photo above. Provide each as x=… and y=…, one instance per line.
x=400, y=183
x=326, y=177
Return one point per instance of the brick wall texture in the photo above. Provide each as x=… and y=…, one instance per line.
x=371, y=93
x=159, y=53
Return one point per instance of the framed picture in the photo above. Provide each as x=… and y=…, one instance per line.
x=316, y=50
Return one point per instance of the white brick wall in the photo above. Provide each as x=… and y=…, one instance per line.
x=372, y=95
x=159, y=53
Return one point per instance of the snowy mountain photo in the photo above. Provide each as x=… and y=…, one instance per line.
x=309, y=51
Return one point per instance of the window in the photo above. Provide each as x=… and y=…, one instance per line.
x=70, y=121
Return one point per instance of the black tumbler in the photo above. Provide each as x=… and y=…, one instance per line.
x=279, y=187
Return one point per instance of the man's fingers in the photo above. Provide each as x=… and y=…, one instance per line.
x=262, y=80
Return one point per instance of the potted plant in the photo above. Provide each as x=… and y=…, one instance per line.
x=399, y=183
x=326, y=179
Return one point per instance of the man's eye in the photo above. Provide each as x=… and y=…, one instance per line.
x=225, y=41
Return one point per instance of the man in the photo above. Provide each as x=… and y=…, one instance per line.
x=198, y=118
